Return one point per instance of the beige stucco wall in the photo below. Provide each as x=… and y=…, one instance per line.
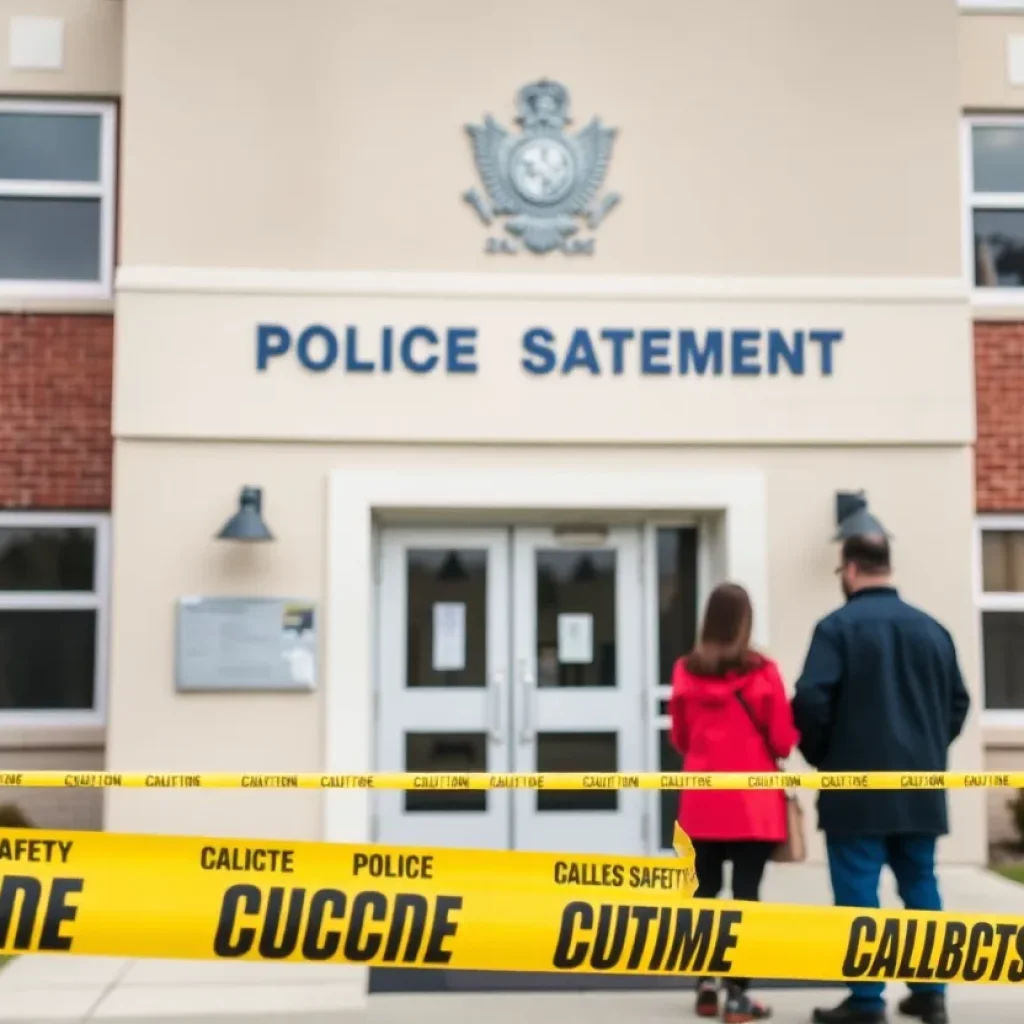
x=752, y=143
x=756, y=136
x=172, y=496
x=92, y=48
x=984, y=77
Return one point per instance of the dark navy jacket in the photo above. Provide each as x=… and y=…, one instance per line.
x=881, y=690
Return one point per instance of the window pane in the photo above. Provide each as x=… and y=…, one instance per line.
x=50, y=147
x=999, y=248
x=455, y=580
x=577, y=752
x=572, y=587
x=452, y=753
x=677, y=596
x=1003, y=645
x=998, y=158
x=47, y=660
x=1002, y=561
x=44, y=559
x=49, y=239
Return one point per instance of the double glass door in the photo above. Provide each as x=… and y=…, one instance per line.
x=510, y=650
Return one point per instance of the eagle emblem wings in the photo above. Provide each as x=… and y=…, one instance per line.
x=544, y=179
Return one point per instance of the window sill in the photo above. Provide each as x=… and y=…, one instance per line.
x=1003, y=729
x=56, y=305
x=45, y=736
x=1006, y=312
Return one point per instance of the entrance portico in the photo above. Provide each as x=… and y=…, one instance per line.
x=516, y=694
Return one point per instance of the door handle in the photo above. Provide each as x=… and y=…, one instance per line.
x=497, y=707
x=528, y=684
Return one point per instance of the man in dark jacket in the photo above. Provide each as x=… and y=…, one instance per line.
x=881, y=690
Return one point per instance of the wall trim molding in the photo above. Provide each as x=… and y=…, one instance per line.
x=430, y=284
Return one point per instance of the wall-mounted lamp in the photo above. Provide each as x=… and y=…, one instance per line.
x=247, y=523
x=853, y=518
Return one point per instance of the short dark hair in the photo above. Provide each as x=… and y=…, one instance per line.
x=868, y=554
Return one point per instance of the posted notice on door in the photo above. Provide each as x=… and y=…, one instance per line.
x=449, y=636
x=575, y=638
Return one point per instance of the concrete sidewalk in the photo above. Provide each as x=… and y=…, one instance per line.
x=71, y=988
x=968, y=1005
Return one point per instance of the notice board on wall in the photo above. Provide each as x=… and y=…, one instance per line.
x=245, y=643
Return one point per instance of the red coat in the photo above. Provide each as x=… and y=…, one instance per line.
x=714, y=733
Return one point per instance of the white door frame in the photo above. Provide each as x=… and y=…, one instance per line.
x=616, y=709
x=479, y=709
x=413, y=484
x=507, y=706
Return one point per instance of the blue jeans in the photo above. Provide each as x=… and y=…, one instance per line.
x=855, y=864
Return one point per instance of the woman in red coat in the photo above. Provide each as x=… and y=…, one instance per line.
x=730, y=714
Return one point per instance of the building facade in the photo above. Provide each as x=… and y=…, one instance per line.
x=515, y=397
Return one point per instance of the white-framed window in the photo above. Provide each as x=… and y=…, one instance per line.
x=57, y=198
x=1000, y=599
x=54, y=612
x=993, y=175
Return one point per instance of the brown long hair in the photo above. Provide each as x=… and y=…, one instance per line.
x=724, y=644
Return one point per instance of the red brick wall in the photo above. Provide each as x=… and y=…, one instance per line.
x=999, y=455
x=55, y=394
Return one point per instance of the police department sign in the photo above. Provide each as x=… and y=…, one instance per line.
x=544, y=180
x=595, y=351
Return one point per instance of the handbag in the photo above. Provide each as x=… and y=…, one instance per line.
x=793, y=849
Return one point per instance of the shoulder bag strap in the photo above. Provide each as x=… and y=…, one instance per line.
x=757, y=726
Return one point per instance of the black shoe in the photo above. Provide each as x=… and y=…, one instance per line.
x=848, y=1012
x=707, y=998
x=740, y=1008
x=929, y=1007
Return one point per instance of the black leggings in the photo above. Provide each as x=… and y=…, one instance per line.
x=749, y=859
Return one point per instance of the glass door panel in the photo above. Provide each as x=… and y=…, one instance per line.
x=577, y=698
x=443, y=653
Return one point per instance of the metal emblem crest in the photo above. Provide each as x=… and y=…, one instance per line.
x=543, y=179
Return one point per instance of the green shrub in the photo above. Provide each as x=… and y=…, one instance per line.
x=12, y=816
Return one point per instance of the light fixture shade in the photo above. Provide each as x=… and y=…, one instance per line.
x=585, y=571
x=854, y=519
x=247, y=523
x=451, y=570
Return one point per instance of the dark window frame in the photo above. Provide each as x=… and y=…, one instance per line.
x=990, y=603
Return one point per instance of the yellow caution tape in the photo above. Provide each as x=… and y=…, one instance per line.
x=226, y=899
x=516, y=780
